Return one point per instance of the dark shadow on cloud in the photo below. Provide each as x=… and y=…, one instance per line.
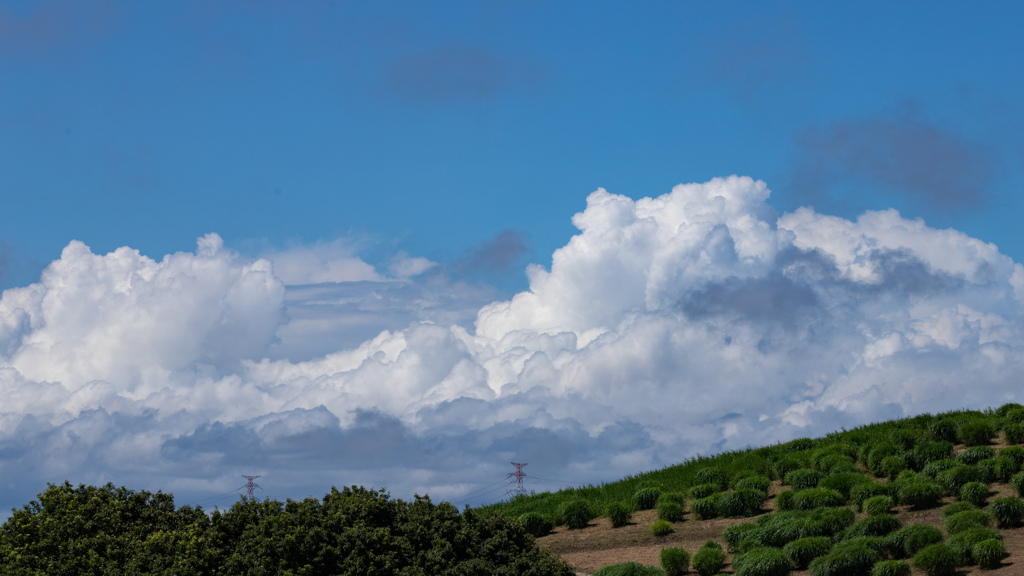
x=775, y=299
x=455, y=73
x=496, y=262
x=500, y=254
x=5, y=263
x=755, y=54
x=901, y=152
x=807, y=296
x=898, y=272
x=904, y=273
x=46, y=26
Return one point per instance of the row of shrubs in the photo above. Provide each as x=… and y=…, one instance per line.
x=831, y=542
x=708, y=560
x=880, y=544
x=813, y=490
x=814, y=531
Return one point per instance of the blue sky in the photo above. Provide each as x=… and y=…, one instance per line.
x=370, y=183
x=432, y=128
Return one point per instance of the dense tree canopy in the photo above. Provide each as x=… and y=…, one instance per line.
x=88, y=530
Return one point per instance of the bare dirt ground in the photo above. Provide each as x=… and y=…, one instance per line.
x=600, y=545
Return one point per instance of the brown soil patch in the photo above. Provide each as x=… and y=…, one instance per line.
x=600, y=545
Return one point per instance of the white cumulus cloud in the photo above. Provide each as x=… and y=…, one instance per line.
x=697, y=321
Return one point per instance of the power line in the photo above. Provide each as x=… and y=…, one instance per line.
x=485, y=488
x=218, y=496
x=557, y=481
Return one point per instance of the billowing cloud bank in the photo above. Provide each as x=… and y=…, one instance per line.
x=693, y=322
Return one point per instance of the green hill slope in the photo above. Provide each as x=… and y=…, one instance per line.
x=861, y=493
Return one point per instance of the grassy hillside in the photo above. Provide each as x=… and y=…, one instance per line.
x=852, y=489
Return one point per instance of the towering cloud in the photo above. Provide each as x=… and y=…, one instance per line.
x=696, y=321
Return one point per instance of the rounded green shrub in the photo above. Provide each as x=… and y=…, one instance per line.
x=762, y=562
x=1004, y=410
x=842, y=448
x=1018, y=483
x=861, y=492
x=975, y=433
x=707, y=508
x=1015, y=453
x=844, y=482
x=879, y=505
x=800, y=444
x=875, y=455
x=646, y=498
x=956, y=508
x=936, y=560
x=920, y=494
x=912, y=539
x=709, y=559
x=536, y=523
x=712, y=475
x=877, y=543
x=988, y=470
x=829, y=521
x=703, y=490
x=628, y=569
x=780, y=532
x=812, y=498
x=891, y=568
x=975, y=454
x=1008, y=511
x=576, y=514
x=926, y=452
x=905, y=477
x=670, y=511
x=661, y=528
x=845, y=559
x=988, y=554
x=675, y=561
x=740, y=475
x=677, y=497
x=757, y=482
x=742, y=503
x=954, y=479
x=943, y=431
x=784, y=500
x=801, y=552
x=740, y=537
x=1014, y=433
x=1003, y=467
x=904, y=439
x=879, y=525
x=619, y=514
x=803, y=478
x=832, y=462
x=892, y=466
x=1015, y=416
x=784, y=466
x=974, y=492
x=963, y=543
x=966, y=520
x=935, y=467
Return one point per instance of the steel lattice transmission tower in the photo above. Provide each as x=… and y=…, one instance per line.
x=250, y=485
x=518, y=475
